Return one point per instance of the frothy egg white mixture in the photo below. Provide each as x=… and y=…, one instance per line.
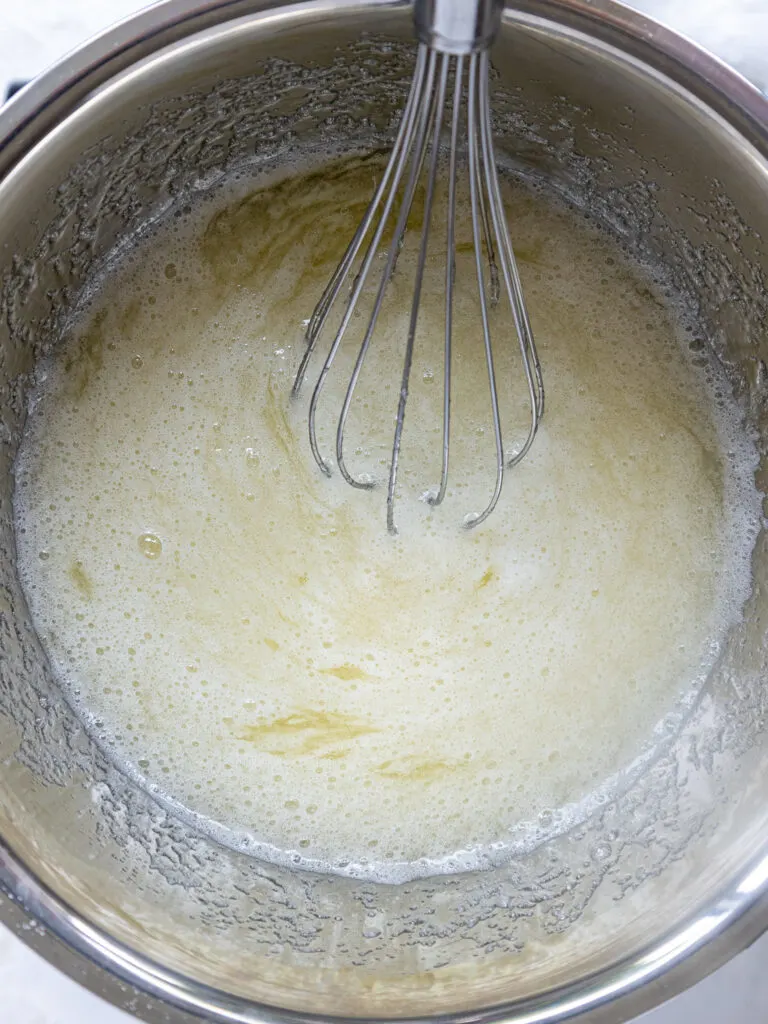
x=245, y=637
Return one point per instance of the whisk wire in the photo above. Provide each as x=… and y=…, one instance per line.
x=450, y=278
x=332, y=289
x=437, y=107
x=475, y=189
x=510, y=272
x=490, y=249
x=417, y=115
x=417, y=158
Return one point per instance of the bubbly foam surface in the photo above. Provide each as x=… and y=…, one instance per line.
x=244, y=635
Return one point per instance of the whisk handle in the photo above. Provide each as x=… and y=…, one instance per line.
x=457, y=26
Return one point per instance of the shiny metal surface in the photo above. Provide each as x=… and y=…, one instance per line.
x=669, y=147
x=458, y=29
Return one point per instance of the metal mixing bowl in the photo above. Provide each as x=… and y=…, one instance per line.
x=665, y=146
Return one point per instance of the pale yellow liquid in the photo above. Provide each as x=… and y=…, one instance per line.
x=244, y=634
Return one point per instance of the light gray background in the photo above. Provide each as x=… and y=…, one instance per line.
x=33, y=34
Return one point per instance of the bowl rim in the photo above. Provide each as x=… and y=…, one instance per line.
x=709, y=937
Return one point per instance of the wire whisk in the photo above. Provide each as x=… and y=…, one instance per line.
x=452, y=59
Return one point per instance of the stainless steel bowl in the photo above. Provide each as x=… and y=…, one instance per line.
x=668, y=148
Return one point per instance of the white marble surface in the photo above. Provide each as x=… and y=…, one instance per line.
x=36, y=33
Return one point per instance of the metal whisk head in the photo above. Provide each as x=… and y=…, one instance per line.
x=452, y=58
